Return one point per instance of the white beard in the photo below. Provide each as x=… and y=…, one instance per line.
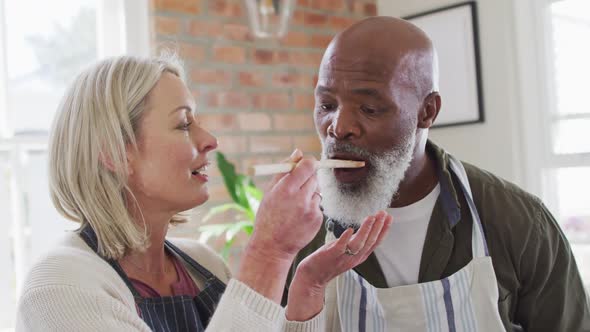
x=351, y=204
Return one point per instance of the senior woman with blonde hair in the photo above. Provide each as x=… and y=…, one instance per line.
x=127, y=155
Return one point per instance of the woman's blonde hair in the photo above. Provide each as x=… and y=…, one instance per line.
x=97, y=120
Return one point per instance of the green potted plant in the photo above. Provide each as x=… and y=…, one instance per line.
x=246, y=199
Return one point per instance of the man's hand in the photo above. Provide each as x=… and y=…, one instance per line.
x=306, y=294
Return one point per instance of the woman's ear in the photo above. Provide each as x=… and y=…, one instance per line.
x=130, y=160
x=106, y=160
x=429, y=112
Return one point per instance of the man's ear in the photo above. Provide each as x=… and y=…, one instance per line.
x=429, y=111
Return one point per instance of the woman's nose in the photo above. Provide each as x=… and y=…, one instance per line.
x=205, y=141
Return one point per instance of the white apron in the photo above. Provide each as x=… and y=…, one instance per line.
x=466, y=301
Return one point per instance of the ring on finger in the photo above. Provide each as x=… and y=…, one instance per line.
x=349, y=252
x=319, y=195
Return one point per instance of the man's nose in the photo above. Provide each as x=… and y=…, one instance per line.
x=344, y=126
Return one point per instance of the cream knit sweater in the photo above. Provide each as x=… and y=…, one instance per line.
x=73, y=289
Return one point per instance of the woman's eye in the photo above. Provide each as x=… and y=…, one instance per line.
x=185, y=126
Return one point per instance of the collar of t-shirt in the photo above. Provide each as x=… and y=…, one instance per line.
x=400, y=251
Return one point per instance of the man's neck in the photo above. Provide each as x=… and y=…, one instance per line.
x=419, y=180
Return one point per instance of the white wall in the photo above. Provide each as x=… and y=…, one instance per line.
x=496, y=144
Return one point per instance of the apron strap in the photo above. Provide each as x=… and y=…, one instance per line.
x=478, y=242
x=89, y=236
x=204, y=303
x=191, y=262
x=208, y=298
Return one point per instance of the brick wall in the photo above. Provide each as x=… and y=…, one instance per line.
x=255, y=95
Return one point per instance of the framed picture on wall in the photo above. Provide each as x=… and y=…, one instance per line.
x=453, y=30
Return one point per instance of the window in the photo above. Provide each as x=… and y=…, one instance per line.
x=43, y=45
x=567, y=167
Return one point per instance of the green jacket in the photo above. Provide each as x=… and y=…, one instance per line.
x=538, y=281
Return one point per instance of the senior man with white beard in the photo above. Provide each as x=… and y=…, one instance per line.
x=467, y=251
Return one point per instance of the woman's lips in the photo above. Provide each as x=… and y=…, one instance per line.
x=200, y=177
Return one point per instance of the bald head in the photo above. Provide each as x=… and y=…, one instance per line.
x=388, y=48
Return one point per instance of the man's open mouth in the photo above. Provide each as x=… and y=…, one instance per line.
x=350, y=175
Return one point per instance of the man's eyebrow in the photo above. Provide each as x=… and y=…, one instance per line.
x=323, y=89
x=367, y=92
x=358, y=91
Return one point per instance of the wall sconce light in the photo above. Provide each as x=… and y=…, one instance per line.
x=269, y=18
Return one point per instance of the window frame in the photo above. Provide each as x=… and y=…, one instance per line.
x=555, y=161
x=124, y=27
x=534, y=55
x=538, y=100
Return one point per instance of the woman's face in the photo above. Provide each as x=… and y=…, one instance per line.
x=168, y=171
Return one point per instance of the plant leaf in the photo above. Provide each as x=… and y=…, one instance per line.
x=236, y=228
x=223, y=208
x=241, y=185
x=254, y=196
x=228, y=172
x=247, y=226
x=246, y=199
x=234, y=182
x=249, y=229
x=216, y=230
x=226, y=249
x=254, y=192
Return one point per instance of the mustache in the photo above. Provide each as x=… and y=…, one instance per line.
x=333, y=147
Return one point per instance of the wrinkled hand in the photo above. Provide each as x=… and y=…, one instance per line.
x=306, y=294
x=331, y=260
x=288, y=218
x=289, y=215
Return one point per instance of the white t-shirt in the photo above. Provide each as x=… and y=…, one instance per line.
x=400, y=252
